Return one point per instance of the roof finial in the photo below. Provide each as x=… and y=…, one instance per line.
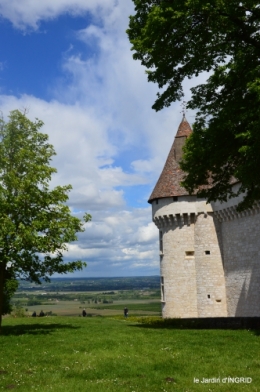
x=183, y=105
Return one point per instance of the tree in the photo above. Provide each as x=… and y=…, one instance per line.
x=35, y=223
x=177, y=39
x=10, y=287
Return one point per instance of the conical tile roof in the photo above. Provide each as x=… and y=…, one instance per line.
x=184, y=128
x=168, y=184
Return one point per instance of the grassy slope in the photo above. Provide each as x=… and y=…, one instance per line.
x=101, y=354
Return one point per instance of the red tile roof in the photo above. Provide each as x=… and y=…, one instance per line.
x=168, y=184
x=184, y=128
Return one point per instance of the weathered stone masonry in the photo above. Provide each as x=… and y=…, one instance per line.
x=209, y=253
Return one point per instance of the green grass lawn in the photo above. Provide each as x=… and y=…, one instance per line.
x=64, y=354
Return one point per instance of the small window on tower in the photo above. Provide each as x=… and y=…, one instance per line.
x=189, y=253
x=161, y=242
x=207, y=252
x=175, y=198
x=208, y=295
x=162, y=290
x=162, y=294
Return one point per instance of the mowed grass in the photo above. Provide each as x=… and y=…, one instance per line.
x=104, y=354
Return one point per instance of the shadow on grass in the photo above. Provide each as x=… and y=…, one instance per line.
x=33, y=329
x=224, y=323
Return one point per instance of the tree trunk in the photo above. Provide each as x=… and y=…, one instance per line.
x=2, y=280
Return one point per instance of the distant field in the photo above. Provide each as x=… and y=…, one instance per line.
x=101, y=354
x=94, y=284
x=104, y=303
x=149, y=306
x=74, y=308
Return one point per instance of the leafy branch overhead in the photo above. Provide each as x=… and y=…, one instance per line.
x=175, y=40
x=35, y=223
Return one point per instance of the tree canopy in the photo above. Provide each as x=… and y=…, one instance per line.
x=10, y=286
x=177, y=39
x=35, y=223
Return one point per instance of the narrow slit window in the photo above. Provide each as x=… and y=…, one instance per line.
x=162, y=289
x=208, y=295
x=163, y=296
x=161, y=242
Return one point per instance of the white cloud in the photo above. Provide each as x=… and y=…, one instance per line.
x=81, y=141
x=101, y=114
x=28, y=13
x=126, y=240
x=146, y=166
x=147, y=234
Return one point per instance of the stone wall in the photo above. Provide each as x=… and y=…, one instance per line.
x=240, y=233
x=210, y=260
x=211, y=292
x=179, y=298
x=241, y=255
x=192, y=282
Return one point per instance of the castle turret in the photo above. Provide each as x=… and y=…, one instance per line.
x=169, y=181
x=192, y=276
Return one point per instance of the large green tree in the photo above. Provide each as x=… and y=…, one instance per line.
x=178, y=39
x=10, y=286
x=35, y=223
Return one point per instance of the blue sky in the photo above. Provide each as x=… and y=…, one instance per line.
x=69, y=64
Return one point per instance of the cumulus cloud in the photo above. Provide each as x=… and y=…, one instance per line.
x=147, y=234
x=29, y=13
x=119, y=238
x=96, y=118
x=122, y=241
x=80, y=139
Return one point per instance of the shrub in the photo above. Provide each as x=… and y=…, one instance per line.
x=18, y=312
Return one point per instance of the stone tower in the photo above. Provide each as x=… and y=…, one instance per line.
x=192, y=273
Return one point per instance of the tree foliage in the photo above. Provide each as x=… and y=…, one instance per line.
x=35, y=223
x=181, y=39
x=10, y=287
